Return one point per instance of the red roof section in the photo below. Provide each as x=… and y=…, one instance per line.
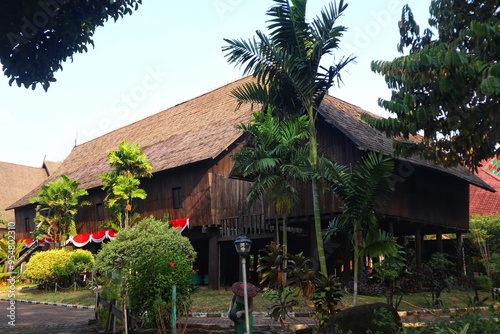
x=483, y=202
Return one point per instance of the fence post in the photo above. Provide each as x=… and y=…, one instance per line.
x=96, y=303
x=114, y=317
x=110, y=315
x=174, y=309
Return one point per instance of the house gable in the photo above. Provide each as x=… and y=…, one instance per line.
x=15, y=181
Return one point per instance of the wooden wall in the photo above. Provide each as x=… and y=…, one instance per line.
x=24, y=216
x=422, y=195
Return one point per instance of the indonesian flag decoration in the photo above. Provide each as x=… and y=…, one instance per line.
x=83, y=239
x=180, y=223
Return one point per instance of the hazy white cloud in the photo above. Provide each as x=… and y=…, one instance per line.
x=5, y=116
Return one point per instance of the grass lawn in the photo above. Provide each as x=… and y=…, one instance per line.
x=206, y=300
x=79, y=297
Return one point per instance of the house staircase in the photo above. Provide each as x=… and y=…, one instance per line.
x=25, y=253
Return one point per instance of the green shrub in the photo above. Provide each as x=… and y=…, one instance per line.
x=153, y=257
x=484, y=282
x=60, y=266
x=492, y=265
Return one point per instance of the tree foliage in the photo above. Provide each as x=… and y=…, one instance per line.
x=362, y=191
x=157, y=256
x=484, y=231
x=288, y=71
x=448, y=86
x=57, y=206
x=122, y=183
x=37, y=36
x=274, y=160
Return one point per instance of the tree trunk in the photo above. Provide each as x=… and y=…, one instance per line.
x=313, y=157
x=355, y=264
x=285, y=249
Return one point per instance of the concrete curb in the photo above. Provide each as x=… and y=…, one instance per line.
x=48, y=303
x=451, y=311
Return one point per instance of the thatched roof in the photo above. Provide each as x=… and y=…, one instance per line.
x=203, y=128
x=51, y=166
x=15, y=181
x=196, y=130
x=347, y=118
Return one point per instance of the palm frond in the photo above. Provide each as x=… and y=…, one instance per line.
x=379, y=243
x=288, y=27
x=251, y=92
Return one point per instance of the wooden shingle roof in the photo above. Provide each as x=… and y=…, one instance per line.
x=204, y=127
x=196, y=130
x=15, y=182
x=347, y=118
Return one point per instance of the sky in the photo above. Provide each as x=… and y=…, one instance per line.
x=168, y=52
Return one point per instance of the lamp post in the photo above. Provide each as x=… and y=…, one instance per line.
x=242, y=245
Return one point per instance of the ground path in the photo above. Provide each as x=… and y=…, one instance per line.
x=44, y=318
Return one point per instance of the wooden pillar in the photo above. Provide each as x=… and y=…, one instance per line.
x=439, y=241
x=213, y=258
x=418, y=246
x=460, y=255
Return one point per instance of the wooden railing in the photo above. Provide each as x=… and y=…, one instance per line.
x=251, y=224
x=114, y=313
x=26, y=253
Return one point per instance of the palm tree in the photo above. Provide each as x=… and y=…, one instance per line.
x=122, y=183
x=273, y=160
x=57, y=205
x=288, y=71
x=9, y=254
x=361, y=192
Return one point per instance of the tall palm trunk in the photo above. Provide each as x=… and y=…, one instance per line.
x=313, y=157
x=356, y=236
x=285, y=248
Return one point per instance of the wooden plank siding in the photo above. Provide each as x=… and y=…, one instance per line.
x=429, y=198
x=25, y=221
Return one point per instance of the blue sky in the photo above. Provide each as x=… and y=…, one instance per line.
x=167, y=53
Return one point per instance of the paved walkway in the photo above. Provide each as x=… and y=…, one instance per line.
x=36, y=317
x=23, y=317
x=262, y=322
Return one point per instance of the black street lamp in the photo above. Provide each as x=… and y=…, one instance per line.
x=243, y=245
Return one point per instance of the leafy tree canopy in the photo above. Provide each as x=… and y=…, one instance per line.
x=57, y=205
x=152, y=256
x=37, y=36
x=448, y=85
x=122, y=183
x=288, y=71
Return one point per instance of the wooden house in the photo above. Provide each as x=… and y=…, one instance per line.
x=17, y=180
x=190, y=147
